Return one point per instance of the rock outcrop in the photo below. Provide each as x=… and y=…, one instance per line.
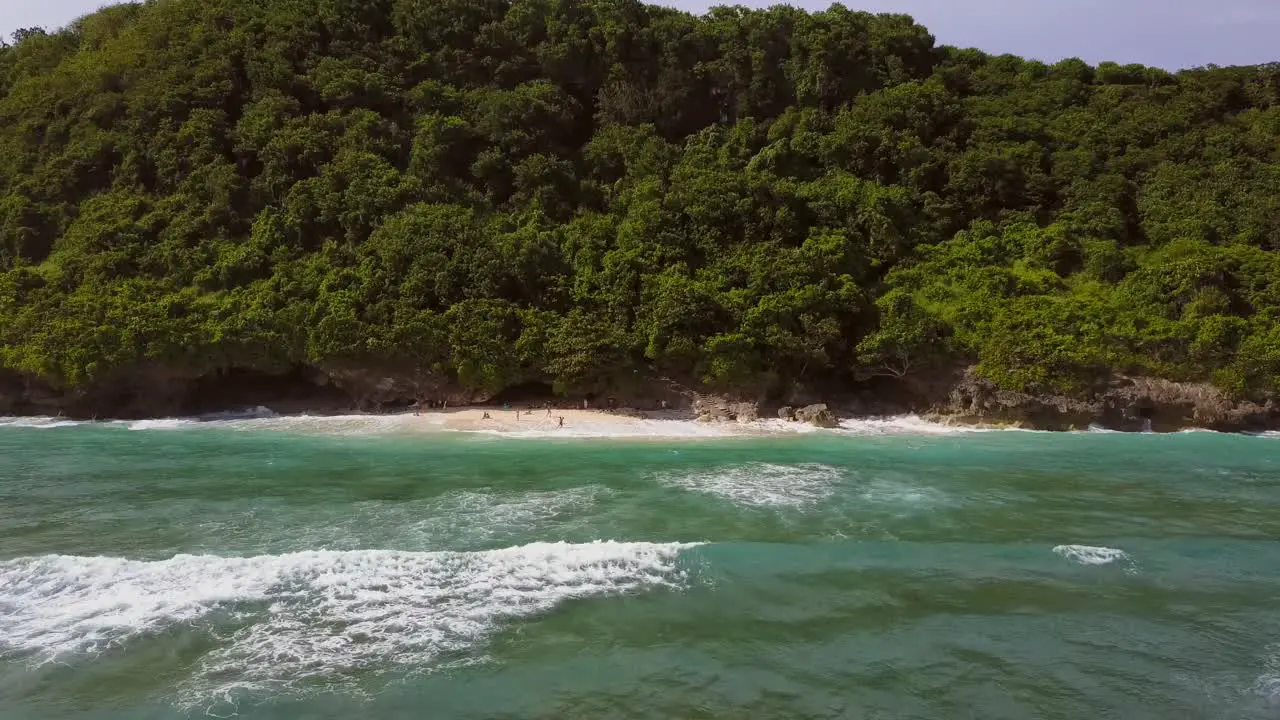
x=819, y=415
x=718, y=408
x=1126, y=403
x=962, y=397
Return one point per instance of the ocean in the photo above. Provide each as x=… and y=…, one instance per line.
x=355, y=567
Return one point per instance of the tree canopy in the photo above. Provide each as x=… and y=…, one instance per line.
x=571, y=191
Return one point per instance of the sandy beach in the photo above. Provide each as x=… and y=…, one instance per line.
x=540, y=421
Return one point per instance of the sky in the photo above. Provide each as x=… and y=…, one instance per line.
x=1172, y=34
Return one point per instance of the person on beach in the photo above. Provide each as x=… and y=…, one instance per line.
x=486, y=415
x=561, y=421
x=417, y=407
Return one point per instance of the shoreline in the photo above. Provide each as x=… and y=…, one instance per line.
x=959, y=399
x=578, y=424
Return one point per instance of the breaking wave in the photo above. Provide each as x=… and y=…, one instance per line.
x=310, y=617
x=1090, y=555
x=39, y=423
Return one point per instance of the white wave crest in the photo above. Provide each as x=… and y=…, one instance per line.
x=632, y=429
x=315, y=616
x=761, y=484
x=211, y=419
x=597, y=425
x=38, y=423
x=158, y=424
x=1090, y=555
x=888, y=425
x=301, y=424
x=908, y=425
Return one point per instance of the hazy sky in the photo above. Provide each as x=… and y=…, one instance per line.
x=1167, y=33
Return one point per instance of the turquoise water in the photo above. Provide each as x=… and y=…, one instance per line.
x=334, y=569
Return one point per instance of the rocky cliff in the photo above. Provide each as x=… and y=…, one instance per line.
x=962, y=397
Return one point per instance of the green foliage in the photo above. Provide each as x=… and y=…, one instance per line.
x=583, y=192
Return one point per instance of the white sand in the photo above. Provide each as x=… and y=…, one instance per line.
x=507, y=421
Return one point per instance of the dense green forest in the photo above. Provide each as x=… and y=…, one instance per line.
x=572, y=191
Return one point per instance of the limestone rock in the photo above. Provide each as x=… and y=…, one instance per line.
x=717, y=408
x=787, y=412
x=746, y=412
x=819, y=415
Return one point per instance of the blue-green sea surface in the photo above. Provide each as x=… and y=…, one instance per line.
x=342, y=568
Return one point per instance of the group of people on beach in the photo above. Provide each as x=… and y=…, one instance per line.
x=611, y=406
x=421, y=403
x=444, y=405
x=530, y=411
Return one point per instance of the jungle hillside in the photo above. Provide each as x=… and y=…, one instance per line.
x=575, y=192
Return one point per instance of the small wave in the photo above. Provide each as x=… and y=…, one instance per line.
x=658, y=429
x=459, y=519
x=783, y=427
x=1268, y=683
x=158, y=424
x=255, y=413
x=1090, y=555
x=253, y=420
x=906, y=425
x=901, y=492
x=601, y=426
x=39, y=423
x=761, y=484
x=318, y=616
x=476, y=517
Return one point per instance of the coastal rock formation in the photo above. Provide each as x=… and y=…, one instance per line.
x=819, y=415
x=1131, y=404
x=372, y=390
x=718, y=408
x=1162, y=405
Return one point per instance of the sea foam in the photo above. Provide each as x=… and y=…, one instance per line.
x=761, y=484
x=1090, y=555
x=1268, y=684
x=908, y=425
x=316, y=616
x=38, y=423
x=605, y=428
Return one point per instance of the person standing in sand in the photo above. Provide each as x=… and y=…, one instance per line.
x=561, y=421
